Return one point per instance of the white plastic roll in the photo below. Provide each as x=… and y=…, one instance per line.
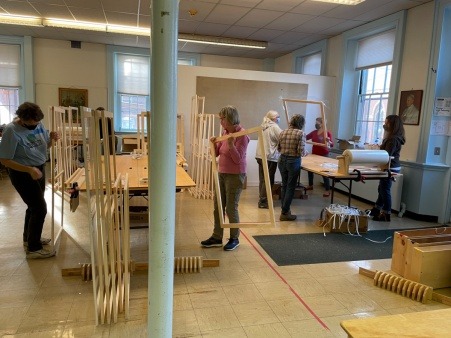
x=366, y=156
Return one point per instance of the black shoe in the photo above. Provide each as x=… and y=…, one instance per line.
x=287, y=217
x=232, y=244
x=373, y=212
x=263, y=205
x=382, y=217
x=211, y=242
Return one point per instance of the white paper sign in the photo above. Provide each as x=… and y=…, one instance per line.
x=443, y=106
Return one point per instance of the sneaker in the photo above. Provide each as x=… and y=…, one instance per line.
x=211, y=242
x=232, y=244
x=42, y=253
x=373, y=212
x=44, y=241
x=287, y=217
x=382, y=217
x=263, y=205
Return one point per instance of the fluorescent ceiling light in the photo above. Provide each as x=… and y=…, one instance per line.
x=342, y=2
x=84, y=25
x=222, y=41
x=20, y=20
x=128, y=30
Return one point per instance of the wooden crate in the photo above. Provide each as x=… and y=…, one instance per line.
x=431, y=265
x=334, y=224
x=403, y=241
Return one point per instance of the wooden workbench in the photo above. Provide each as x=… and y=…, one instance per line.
x=328, y=167
x=137, y=170
x=433, y=324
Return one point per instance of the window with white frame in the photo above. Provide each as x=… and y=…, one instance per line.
x=370, y=77
x=133, y=90
x=310, y=60
x=374, y=91
x=9, y=81
x=130, y=84
x=374, y=58
x=310, y=64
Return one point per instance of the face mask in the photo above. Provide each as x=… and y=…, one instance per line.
x=317, y=126
x=30, y=127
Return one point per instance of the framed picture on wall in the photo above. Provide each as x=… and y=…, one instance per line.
x=72, y=97
x=410, y=106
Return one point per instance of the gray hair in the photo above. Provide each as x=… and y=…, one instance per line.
x=230, y=113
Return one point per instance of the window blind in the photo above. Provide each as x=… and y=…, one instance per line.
x=376, y=50
x=133, y=74
x=311, y=64
x=9, y=65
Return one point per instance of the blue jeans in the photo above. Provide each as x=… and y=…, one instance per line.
x=231, y=186
x=290, y=168
x=383, y=201
x=32, y=193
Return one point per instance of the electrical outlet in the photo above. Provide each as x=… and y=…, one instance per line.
x=437, y=151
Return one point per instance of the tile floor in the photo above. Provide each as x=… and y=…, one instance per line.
x=247, y=296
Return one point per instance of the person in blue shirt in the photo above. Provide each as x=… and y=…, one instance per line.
x=23, y=150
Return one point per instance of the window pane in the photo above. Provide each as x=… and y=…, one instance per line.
x=373, y=100
x=9, y=101
x=130, y=107
x=9, y=65
x=312, y=64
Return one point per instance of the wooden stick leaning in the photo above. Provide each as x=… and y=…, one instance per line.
x=265, y=174
x=323, y=116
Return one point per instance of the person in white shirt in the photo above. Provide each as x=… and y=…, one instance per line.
x=271, y=132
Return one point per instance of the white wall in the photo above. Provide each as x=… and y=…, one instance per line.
x=319, y=88
x=230, y=62
x=415, y=68
x=57, y=65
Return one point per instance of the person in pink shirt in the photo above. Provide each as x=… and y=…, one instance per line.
x=232, y=174
x=318, y=136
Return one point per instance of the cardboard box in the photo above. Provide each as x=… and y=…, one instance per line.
x=353, y=143
x=340, y=224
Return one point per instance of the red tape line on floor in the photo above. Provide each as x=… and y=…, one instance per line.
x=289, y=286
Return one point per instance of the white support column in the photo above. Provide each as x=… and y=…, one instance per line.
x=162, y=164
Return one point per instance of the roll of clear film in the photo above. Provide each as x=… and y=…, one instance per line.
x=374, y=157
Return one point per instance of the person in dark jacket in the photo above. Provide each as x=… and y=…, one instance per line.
x=394, y=139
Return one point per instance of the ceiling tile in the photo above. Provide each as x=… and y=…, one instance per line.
x=288, y=21
x=314, y=7
x=241, y=3
x=53, y=11
x=144, y=7
x=265, y=34
x=282, y=6
x=203, y=10
x=258, y=18
x=341, y=27
x=114, y=18
x=205, y=28
x=95, y=4
x=188, y=26
x=51, y=2
x=123, y=6
x=349, y=12
x=290, y=38
x=239, y=32
x=19, y=8
x=318, y=24
x=227, y=15
x=86, y=14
